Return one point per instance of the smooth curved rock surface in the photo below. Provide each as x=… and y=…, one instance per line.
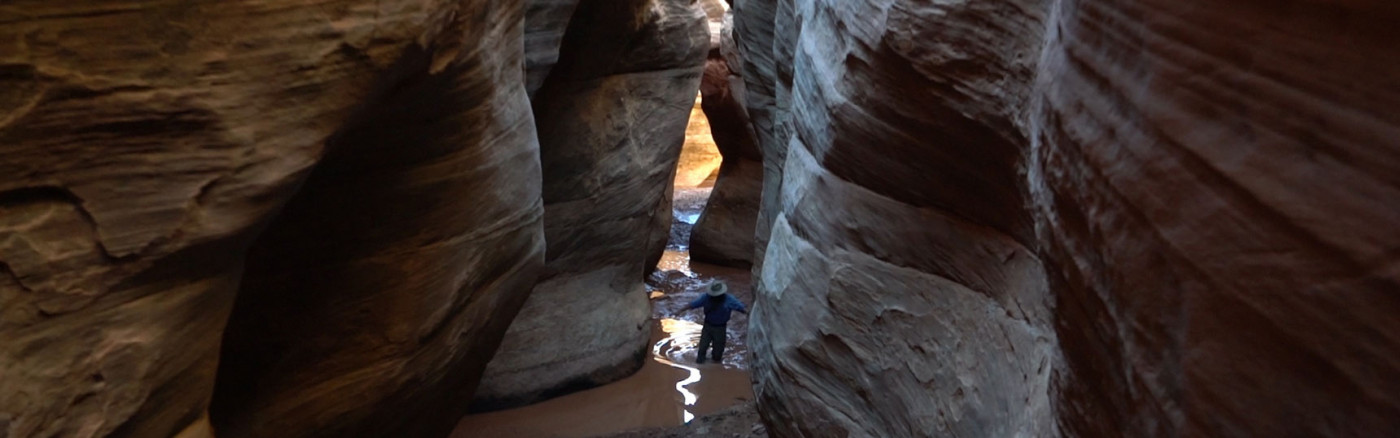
x=724, y=233
x=900, y=294
x=143, y=146
x=1218, y=184
x=765, y=34
x=1081, y=218
x=612, y=118
x=371, y=304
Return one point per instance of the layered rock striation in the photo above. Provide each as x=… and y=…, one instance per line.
x=765, y=34
x=611, y=119
x=1076, y=217
x=900, y=293
x=1216, y=186
x=144, y=146
x=386, y=333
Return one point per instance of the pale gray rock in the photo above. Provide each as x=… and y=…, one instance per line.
x=545, y=23
x=765, y=34
x=900, y=294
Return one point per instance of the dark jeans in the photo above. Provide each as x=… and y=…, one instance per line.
x=712, y=333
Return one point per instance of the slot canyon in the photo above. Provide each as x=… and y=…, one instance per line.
x=502, y=218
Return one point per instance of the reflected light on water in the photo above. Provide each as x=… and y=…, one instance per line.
x=688, y=218
x=674, y=260
x=681, y=337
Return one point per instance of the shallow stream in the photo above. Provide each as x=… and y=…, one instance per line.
x=671, y=388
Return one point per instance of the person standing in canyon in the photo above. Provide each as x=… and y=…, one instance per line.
x=718, y=304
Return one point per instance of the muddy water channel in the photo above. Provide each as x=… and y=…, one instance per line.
x=671, y=388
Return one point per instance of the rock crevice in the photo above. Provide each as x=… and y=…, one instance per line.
x=611, y=117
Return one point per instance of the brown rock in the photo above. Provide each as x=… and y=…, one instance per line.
x=386, y=334
x=1218, y=186
x=612, y=119
x=142, y=147
x=999, y=220
x=724, y=233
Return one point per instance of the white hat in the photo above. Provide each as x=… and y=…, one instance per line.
x=716, y=288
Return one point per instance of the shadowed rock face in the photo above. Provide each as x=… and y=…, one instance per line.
x=143, y=147
x=545, y=23
x=1078, y=218
x=1218, y=188
x=724, y=234
x=611, y=117
x=385, y=334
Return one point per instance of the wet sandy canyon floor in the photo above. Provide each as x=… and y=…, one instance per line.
x=671, y=388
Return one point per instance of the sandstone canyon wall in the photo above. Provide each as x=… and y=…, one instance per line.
x=900, y=294
x=724, y=233
x=143, y=146
x=765, y=32
x=1085, y=218
x=700, y=156
x=1217, y=185
x=545, y=23
x=611, y=118
x=1118, y=218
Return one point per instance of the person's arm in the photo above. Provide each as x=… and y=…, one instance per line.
x=735, y=304
x=697, y=303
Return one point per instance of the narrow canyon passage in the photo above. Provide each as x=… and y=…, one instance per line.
x=671, y=388
x=486, y=218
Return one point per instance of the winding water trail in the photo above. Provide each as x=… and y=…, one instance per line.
x=682, y=337
x=670, y=389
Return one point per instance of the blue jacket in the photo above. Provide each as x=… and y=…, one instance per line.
x=717, y=309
